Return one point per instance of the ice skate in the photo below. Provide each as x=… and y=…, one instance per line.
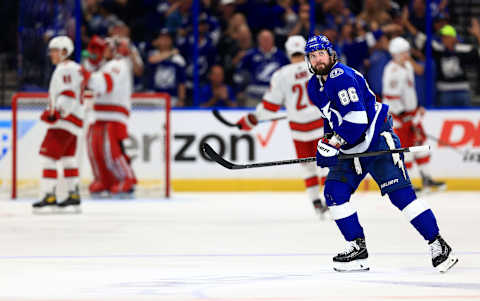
x=442, y=255
x=124, y=189
x=429, y=184
x=98, y=190
x=320, y=208
x=71, y=203
x=353, y=258
x=47, y=205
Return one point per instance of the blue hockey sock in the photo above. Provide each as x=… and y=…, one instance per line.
x=350, y=227
x=416, y=211
x=337, y=196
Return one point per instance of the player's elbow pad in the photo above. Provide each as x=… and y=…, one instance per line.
x=263, y=114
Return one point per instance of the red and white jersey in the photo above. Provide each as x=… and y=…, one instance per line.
x=65, y=93
x=399, y=88
x=112, y=87
x=288, y=88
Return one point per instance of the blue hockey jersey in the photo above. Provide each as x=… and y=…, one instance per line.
x=349, y=107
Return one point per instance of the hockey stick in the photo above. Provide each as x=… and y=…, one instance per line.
x=220, y=118
x=208, y=150
x=440, y=142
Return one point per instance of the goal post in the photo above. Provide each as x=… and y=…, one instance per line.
x=148, y=143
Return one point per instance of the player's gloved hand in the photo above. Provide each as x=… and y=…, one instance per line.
x=419, y=133
x=328, y=150
x=247, y=122
x=50, y=117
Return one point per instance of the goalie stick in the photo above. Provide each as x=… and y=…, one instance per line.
x=208, y=150
x=220, y=118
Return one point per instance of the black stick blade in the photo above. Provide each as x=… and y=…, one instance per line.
x=208, y=150
x=220, y=118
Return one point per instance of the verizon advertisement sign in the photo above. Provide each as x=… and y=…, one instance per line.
x=459, y=157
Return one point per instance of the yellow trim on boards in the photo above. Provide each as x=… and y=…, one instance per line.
x=294, y=184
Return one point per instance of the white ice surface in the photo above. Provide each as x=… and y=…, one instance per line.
x=231, y=247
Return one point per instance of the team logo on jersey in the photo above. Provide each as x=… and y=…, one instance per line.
x=336, y=72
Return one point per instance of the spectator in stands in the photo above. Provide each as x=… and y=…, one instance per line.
x=302, y=25
x=206, y=51
x=234, y=43
x=227, y=11
x=452, y=59
x=257, y=66
x=167, y=69
x=216, y=93
x=337, y=15
x=378, y=59
x=375, y=14
x=356, y=43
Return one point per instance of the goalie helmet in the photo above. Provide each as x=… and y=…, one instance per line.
x=62, y=42
x=295, y=44
x=398, y=45
x=96, y=47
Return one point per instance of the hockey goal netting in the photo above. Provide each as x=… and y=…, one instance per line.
x=148, y=146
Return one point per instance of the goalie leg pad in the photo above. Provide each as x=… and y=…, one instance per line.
x=120, y=166
x=100, y=155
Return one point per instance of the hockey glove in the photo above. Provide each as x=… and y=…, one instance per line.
x=50, y=117
x=247, y=122
x=328, y=150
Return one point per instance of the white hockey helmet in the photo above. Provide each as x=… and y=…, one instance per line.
x=61, y=42
x=398, y=45
x=295, y=44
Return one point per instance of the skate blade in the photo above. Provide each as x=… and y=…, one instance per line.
x=360, y=265
x=123, y=196
x=101, y=195
x=45, y=210
x=429, y=190
x=72, y=209
x=447, y=264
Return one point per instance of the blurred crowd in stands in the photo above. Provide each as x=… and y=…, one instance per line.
x=241, y=43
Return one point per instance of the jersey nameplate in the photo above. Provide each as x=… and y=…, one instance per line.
x=336, y=72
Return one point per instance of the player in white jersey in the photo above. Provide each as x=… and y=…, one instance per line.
x=399, y=93
x=288, y=88
x=112, y=89
x=64, y=116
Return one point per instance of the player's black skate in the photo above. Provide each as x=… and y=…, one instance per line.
x=320, y=208
x=72, y=201
x=47, y=205
x=353, y=258
x=442, y=255
x=429, y=184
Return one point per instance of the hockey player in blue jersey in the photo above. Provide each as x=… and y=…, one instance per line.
x=354, y=123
